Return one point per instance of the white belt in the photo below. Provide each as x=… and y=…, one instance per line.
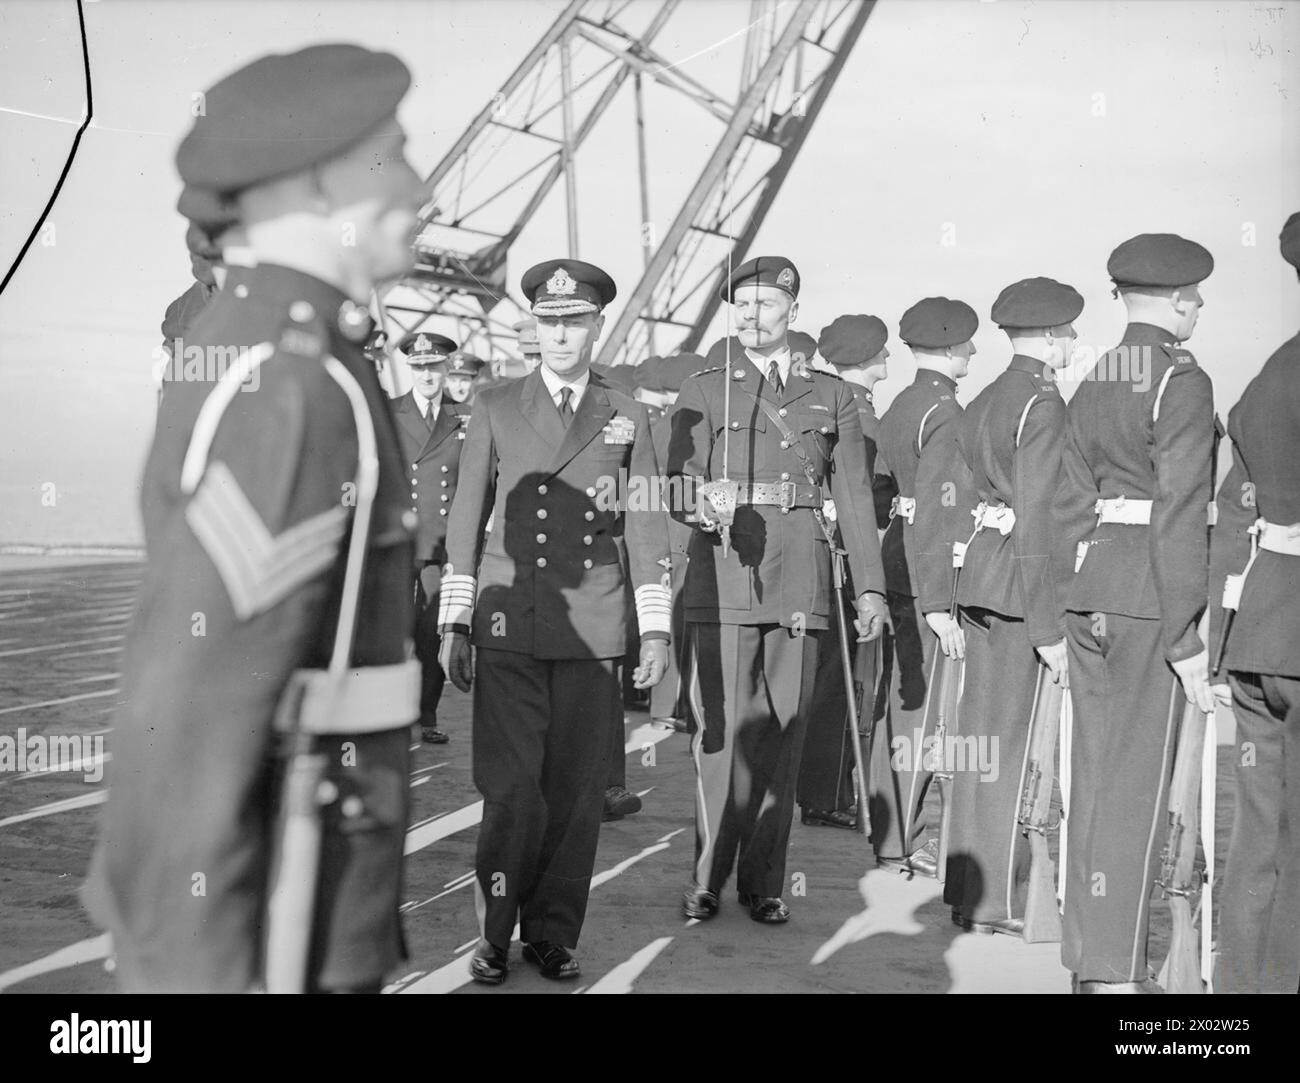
x=989, y=515
x=1279, y=537
x=904, y=506
x=368, y=700
x=1123, y=510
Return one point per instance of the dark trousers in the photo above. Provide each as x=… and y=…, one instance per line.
x=1259, y=917
x=616, y=775
x=751, y=690
x=988, y=857
x=428, y=580
x=899, y=782
x=826, y=766
x=1128, y=706
x=541, y=751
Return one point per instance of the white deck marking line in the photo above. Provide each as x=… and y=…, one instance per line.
x=56, y=702
x=87, y=654
x=451, y=976
x=86, y=800
x=96, y=677
x=411, y=907
x=79, y=764
x=84, y=951
x=622, y=977
x=891, y=905
x=58, y=646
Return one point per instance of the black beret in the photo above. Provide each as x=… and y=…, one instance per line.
x=283, y=113
x=801, y=344
x=852, y=340
x=620, y=377
x=1290, y=240
x=1036, y=302
x=763, y=271
x=674, y=370
x=566, y=287
x=934, y=323
x=1164, y=260
x=461, y=363
x=647, y=373
x=425, y=347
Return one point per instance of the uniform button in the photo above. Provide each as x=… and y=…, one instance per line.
x=541, y=562
x=541, y=539
x=541, y=490
x=415, y=495
x=444, y=469
x=586, y=540
x=241, y=291
x=826, y=428
x=415, y=466
x=444, y=483
x=301, y=311
x=442, y=511
x=782, y=411
x=444, y=498
x=352, y=807
x=589, y=516
x=541, y=513
x=785, y=477
x=591, y=490
x=410, y=520
x=586, y=563
x=785, y=444
x=735, y=424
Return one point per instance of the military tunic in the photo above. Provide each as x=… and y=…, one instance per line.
x=544, y=594
x=921, y=414
x=757, y=615
x=242, y=587
x=1142, y=427
x=1005, y=451
x=433, y=467
x=1259, y=923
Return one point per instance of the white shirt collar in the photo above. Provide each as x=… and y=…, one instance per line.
x=425, y=405
x=554, y=385
x=781, y=357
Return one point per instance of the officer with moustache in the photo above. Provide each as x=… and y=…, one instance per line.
x=1139, y=477
x=1255, y=566
x=432, y=431
x=261, y=491
x=854, y=347
x=1003, y=458
x=543, y=598
x=938, y=331
x=758, y=588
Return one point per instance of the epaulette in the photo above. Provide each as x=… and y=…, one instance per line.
x=705, y=372
x=1181, y=357
x=303, y=332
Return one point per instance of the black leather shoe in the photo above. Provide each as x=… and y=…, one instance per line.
x=553, y=961
x=432, y=735
x=489, y=964
x=700, y=903
x=923, y=862
x=768, y=909
x=829, y=817
x=1006, y=926
x=619, y=803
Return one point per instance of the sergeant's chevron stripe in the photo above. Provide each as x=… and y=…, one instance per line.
x=257, y=568
x=654, y=608
x=456, y=601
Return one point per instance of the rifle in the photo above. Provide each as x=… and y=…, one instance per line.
x=866, y=671
x=1042, y=918
x=949, y=695
x=1180, y=879
x=851, y=692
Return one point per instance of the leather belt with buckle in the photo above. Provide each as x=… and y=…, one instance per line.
x=782, y=494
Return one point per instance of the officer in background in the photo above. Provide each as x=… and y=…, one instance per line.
x=938, y=331
x=854, y=347
x=1258, y=671
x=758, y=612
x=432, y=431
x=463, y=370
x=248, y=505
x=1139, y=477
x=1003, y=456
x=544, y=595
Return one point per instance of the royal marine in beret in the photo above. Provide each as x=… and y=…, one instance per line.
x=852, y=340
x=281, y=114
x=426, y=348
x=1289, y=239
x=1161, y=260
x=567, y=287
x=763, y=271
x=1036, y=302
x=461, y=363
x=526, y=332
x=647, y=373
x=674, y=370
x=934, y=323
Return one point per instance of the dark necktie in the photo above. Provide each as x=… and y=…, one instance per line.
x=566, y=405
x=430, y=417
x=774, y=378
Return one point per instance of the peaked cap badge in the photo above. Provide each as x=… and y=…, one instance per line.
x=561, y=283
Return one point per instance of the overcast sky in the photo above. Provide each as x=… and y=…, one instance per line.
x=1034, y=135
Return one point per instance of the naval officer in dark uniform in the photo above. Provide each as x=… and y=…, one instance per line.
x=252, y=496
x=1258, y=536
x=1138, y=479
x=544, y=595
x=854, y=347
x=432, y=430
x=1004, y=461
x=938, y=331
x=759, y=611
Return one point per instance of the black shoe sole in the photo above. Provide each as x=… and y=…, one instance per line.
x=487, y=979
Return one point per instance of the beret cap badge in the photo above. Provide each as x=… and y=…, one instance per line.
x=785, y=278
